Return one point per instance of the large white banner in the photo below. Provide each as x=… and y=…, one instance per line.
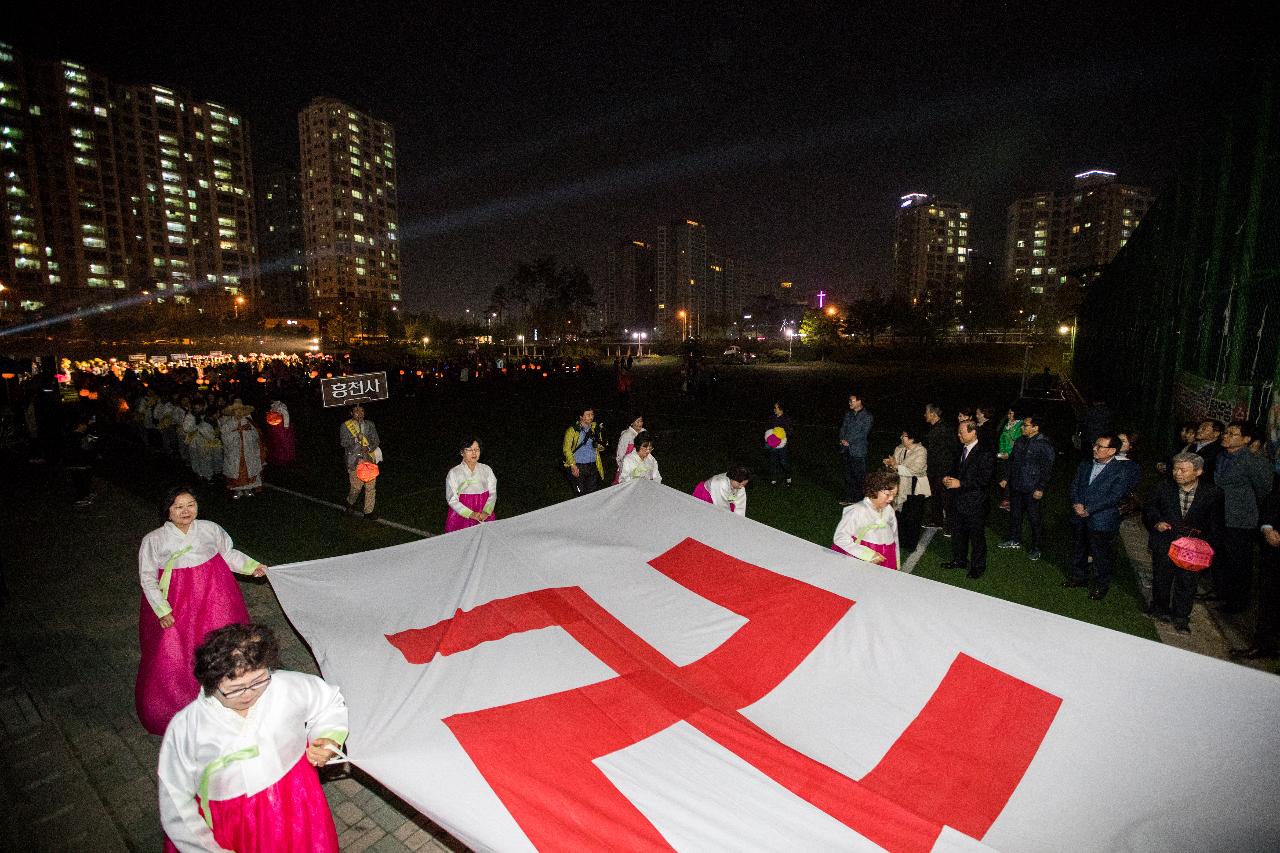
x=636, y=670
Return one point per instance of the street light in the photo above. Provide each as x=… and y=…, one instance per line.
x=684, y=321
x=790, y=333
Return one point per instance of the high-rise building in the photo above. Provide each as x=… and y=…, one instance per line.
x=1059, y=241
x=188, y=173
x=930, y=249
x=113, y=189
x=281, y=249
x=349, y=217
x=628, y=301
x=681, y=291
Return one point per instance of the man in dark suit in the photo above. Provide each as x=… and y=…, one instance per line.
x=1030, y=467
x=1245, y=480
x=1207, y=447
x=1183, y=506
x=968, y=485
x=940, y=443
x=1099, y=486
x=1266, y=635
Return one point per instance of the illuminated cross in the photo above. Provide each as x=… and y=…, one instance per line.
x=822, y=296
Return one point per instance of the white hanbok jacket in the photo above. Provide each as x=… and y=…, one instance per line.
x=236, y=756
x=863, y=522
x=635, y=468
x=624, y=445
x=461, y=480
x=169, y=547
x=723, y=494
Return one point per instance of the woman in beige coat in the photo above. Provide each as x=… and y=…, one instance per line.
x=910, y=460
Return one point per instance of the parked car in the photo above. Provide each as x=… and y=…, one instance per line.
x=737, y=355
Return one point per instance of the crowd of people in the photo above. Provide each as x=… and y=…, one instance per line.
x=1211, y=510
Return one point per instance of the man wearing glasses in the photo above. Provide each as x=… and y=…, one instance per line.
x=1099, y=486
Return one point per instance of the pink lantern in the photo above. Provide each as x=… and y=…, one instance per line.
x=1191, y=554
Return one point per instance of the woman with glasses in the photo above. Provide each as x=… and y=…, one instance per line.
x=470, y=489
x=185, y=568
x=237, y=765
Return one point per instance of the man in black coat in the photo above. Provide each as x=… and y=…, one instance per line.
x=968, y=484
x=1207, y=447
x=940, y=444
x=1187, y=505
x=1030, y=467
x=1266, y=635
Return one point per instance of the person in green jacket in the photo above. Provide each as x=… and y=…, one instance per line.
x=581, y=452
x=1010, y=431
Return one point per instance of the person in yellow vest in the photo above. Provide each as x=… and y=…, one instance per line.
x=581, y=452
x=360, y=444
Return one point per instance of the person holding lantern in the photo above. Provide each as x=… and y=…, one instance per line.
x=185, y=569
x=775, y=444
x=282, y=446
x=363, y=453
x=1185, y=507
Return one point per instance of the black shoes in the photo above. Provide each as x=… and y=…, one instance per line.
x=1070, y=584
x=955, y=564
x=974, y=574
x=1098, y=594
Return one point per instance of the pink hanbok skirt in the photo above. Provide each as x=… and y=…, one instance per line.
x=453, y=521
x=291, y=816
x=282, y=445
x=203, y=597
x=889, y=550
x=700, y=492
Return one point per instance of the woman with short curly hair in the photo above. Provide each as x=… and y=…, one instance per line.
x=237, y=765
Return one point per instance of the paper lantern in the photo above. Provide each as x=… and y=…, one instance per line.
x=1191, y=554
x=275, y=418
x=776, y=437
x=366, y=471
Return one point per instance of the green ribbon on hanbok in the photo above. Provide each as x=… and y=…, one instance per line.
x=203, y=796
x=167, y=573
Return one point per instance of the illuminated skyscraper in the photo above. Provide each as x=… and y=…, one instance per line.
x=349, y=217
x=1059, y=241
x=188, y=174
x=681, y=292
x=112, y=188
x=930, y=252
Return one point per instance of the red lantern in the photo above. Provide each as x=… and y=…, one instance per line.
x=275, y=418
x=366, y=471
x=1191, y=554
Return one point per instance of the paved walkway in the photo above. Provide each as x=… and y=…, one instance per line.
x=80, y=770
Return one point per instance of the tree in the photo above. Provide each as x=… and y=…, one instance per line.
x=546, y=294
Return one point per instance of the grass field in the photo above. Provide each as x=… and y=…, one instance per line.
x=521, y=425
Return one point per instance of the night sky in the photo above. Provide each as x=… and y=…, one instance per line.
x=527, y=132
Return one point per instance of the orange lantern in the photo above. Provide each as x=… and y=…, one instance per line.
x=84, y=392
x=262, y=379
x=314, y=374
x=1191, y=554
x=275, y=418
x=366, y=471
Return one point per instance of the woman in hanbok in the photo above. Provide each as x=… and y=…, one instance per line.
x=242, y=452
x=282, y=445
x=640, y=463
x=237, y=766
x=868, y=529
x=727, y=491
x=626, y=443
x=206, y=450
x=470, y=489
x=185, y=570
